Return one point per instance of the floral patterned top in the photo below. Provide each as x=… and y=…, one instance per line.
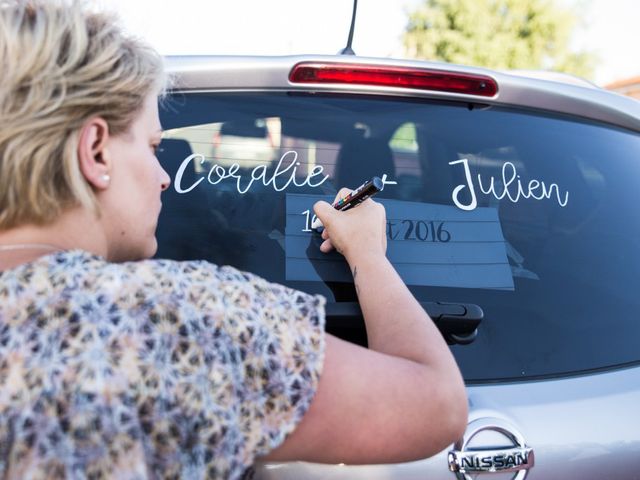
x=151, y=369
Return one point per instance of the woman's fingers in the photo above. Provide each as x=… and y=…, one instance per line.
x=326, y=246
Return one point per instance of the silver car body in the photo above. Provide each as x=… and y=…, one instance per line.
x=578, y=427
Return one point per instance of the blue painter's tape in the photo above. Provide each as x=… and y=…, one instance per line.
x=428, y=244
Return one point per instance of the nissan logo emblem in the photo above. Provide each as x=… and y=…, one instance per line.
x=517, y=458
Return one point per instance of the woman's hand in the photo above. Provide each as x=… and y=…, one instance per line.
x=403, y=398
x=361, y=229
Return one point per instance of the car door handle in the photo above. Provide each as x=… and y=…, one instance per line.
x=458, y=322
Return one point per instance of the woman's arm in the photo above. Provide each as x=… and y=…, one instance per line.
x=401, y=399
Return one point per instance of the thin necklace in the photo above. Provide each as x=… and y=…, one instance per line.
x=28, y=246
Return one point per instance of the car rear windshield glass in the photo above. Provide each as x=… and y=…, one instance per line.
x=528, y=215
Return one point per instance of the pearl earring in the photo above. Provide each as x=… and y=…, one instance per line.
x=105, y=178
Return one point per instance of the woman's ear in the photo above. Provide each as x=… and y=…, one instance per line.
x=94, y=164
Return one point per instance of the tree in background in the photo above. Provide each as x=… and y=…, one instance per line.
x=498, y=34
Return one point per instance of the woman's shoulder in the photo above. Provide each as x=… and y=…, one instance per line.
x=94, y=269
x=78, y=276
x=196, y=282
x=146, y=290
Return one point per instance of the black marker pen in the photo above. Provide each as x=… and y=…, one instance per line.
x=356, y=197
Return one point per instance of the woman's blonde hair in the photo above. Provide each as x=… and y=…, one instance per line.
x=61, y=63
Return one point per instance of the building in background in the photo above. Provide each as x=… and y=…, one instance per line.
x=627, y=86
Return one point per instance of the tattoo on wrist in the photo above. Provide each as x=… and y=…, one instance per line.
x=355, y=274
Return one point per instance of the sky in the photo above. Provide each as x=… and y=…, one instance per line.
x=283, y=27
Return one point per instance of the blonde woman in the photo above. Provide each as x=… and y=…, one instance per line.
x=113, y=365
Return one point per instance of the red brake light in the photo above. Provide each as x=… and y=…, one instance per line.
x=403, y=77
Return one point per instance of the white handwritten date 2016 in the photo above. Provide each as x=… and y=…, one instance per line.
x=309, y=219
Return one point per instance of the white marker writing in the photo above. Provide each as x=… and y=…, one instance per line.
x=512, y=187
x=283, y=175
x=177, y=183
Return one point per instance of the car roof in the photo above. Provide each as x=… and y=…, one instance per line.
x=535, y=90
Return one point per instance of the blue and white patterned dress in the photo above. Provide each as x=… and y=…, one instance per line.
x=151, y=369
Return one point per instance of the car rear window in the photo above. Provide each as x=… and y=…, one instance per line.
x=528, y=215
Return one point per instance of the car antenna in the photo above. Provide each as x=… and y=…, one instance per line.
x=348, y=50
